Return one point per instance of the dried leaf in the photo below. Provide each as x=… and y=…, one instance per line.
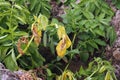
x=61, y=48
x=37, y=34
x=21, y=41
x=63, y=45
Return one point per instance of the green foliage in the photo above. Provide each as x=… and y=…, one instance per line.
x=88, y=22
x=36, y=6
x=11, y=15
x=98, y=69
x=116, y=3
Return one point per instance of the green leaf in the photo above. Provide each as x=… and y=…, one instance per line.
x=49, y=72
x=88, y=14
x=99, y=32
x=3, y=51
x=84, y=56
x=13, y=56
x=33, y=4
x=88, y=78
x=111, y=34
x=10, y=61
x=100, y=42
x=35, y=55
x=101, y=16
x=82, y=71
x=37, y=10
x=105, y=21
x=20, y=19
x=2, y=37
x=45, y=39
x=18, y=7
x=20, y=33
x=52, y=48
x=93, y=44
x=4, y=3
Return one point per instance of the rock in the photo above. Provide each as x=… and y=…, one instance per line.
x=2, y=66
x=116, y=54
x=6, y=74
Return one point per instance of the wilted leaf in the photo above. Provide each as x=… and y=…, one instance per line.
x=61, y=32
x=37, y=34
x=61, y=48
x=63, y=45
x=21, y=41
x=66, y=75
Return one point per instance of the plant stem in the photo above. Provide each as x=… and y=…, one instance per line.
x=73, y=41
x=26, y=47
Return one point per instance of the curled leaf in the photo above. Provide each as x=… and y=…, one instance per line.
x=63, y=45
x=61, y=48
x=102, y=69
x=37, y=34
x=66, y=75
x=21, y=41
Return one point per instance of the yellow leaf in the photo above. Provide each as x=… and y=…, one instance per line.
x=63, y=45
x=66, y=75
x=61, y=32
x=68, y=42
x=107, y=77
x=44, y=22
x=61, y=48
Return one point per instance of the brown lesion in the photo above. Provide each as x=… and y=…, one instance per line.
x=37, y=34
x=63, y=45
x=22, y=40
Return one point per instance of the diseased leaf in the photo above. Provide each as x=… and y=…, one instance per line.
x=61, y=48
x=37, y=34
x=63, y=44
x=61, y=32
x=43, y=22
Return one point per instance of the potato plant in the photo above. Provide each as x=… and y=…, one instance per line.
x=27, y=32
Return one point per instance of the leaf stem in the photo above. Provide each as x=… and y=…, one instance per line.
x=73, y=40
